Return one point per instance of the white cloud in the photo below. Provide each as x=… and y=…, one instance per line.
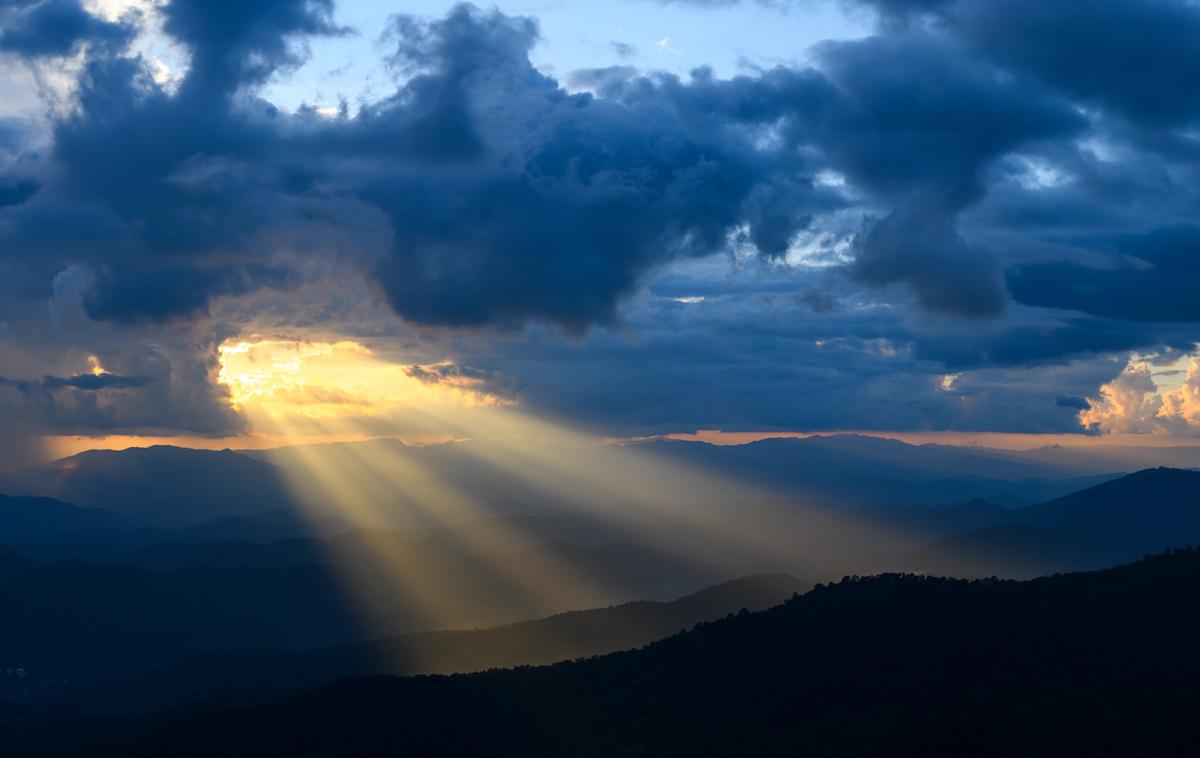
x=1139, y=401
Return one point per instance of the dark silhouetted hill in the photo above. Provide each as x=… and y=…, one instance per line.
x=10, y=562
x=1110, y=523
x=161, y=486
x=226, y=676
x=1097, y=664
x=1170, y=496
x=360, y=585
x=36, y=519
x=255, y=541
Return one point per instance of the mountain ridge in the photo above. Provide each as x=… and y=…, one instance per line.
x=891, y=664
x=229, y=676
x=1112, y=522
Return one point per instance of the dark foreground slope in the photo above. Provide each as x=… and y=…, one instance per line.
x=231, y=676
x=69, y=624
x=1105, y=663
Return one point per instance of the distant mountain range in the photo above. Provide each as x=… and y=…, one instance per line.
x=166, y=487
x=694, y=543
x=1100, y=664
x=158, y=486
x=812, y=507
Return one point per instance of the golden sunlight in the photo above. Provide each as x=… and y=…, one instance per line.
x=301, y=386
x=308, y=391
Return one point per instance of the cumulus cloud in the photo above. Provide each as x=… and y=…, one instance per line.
x=1133, y=403
x=235, y=44
x=539, y=204
x=946, y=272
x=507, y=198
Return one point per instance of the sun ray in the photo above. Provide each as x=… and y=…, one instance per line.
x=425, y=524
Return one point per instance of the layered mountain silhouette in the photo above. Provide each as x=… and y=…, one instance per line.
x=138, y=618
x=813, y=507
x=257, y=672
x=170, y=487
x=41, y=519
x=149, y=594
x=1100, y=526
x=159, y=486
x=1100, y=663
x=199, y=579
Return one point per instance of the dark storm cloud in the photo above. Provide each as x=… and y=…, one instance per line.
x=234, y=43
x=170, y=168
x=914, y=113
x=1148, y=277
x=82, y=402
x=746, y=364
x=159, y=292
x=1042, y=341
x=1003, y=162
x=912, y=121
x=1073, y=401
x=508, y=198
x=1122, y=207
x=16, y=191
x=53, y=28
x=536, y=203
x=899, y=128
x=469, y=378
x=166, y=188
x=86, y=382
x=440, y=373
x=511, y=199
x=925, y=249
x=1136, y=58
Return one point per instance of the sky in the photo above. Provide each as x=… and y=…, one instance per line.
x=257, y=223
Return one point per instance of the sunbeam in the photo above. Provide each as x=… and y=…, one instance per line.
x=436, y=528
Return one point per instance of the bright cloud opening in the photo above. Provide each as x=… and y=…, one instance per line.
x=304, y=389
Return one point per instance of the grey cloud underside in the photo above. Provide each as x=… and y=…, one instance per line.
x=847, y=369
x=88, y=382
x=1073, y=401
x=994, y=161
x=73, y=402
x=1152, y=277
x=55, y=28
x=507, y=197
